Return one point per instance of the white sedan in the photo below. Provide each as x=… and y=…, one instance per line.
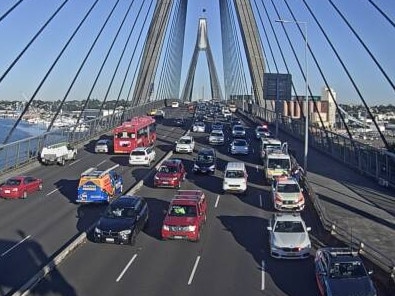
x=199, y=127
x=289, y=237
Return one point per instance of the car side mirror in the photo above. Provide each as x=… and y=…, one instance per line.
x=308, y=228
x=176, y=142
x=370, y=272
x=138, y=217
x=301, y=189
x=269, y=228
x=164, y=212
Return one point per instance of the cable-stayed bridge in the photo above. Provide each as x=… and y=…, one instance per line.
x=134, y=56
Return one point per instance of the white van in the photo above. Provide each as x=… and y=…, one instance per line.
x=235, y=178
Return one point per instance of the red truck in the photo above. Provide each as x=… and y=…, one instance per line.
x=186, y=215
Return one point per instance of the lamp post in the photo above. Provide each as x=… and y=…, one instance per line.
x=306, y=105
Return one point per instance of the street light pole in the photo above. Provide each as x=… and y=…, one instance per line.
x=306, y=104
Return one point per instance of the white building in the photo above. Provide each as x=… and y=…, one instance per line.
x=330, y=96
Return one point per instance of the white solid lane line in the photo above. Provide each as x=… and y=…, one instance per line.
x=101, y=162
x=53, y=191
x=193, y=270
x=126, y=267
x=217, y=201
x=74, y=162
x=263, y=276
x=14, y=246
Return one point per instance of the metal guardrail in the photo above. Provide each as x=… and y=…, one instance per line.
x=25, y=152
x=341, y=149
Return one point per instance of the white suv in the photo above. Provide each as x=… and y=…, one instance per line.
x=288, y=236
x=185, y=144
x=142, y=156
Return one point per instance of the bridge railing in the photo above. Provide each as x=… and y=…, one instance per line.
x=24, y=152
x=368, y=160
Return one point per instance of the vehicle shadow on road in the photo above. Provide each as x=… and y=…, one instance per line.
x=31, y=255
x=88, y=215
x=157, y=210
x=68, y=188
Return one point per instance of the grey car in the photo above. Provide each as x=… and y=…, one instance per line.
x=239, y=146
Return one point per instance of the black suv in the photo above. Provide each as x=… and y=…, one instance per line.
x=206, y=161
x=122, y=220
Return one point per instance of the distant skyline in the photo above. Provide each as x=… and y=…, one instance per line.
x=376, y=32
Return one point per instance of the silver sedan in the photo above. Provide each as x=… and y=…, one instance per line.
x=239, y=146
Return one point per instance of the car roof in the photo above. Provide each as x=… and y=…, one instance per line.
x=210, y=151
x=140, y=149
x=127, y=200
x=341, y=254
x=186, y=137
x=171, y=162
x=103, y=141
x=288, y=180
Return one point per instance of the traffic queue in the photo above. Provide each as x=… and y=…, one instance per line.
x=336, y=270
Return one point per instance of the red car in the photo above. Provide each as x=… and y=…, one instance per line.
x=186, y=215
x=20, y=187
x=170, y=174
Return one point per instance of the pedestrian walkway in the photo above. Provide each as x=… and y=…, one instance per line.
x=352, y=205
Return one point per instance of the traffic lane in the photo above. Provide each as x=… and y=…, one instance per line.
x=24, y=215
x=161, y=257
x=42, y=230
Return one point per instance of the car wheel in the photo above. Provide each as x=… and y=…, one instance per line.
x=62, y=162
x=24, y=194
x=40, y=187
x=197, y=237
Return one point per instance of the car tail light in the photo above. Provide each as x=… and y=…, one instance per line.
x=301, y=198
x=278, y=198
x=15, y=189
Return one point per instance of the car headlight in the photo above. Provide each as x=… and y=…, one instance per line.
x=165, y=227
x=156, y=178
x=97, y=230
x=175, y=179
x=125, y=232
x=195, y=166
x=212, y=167
x=191, y=227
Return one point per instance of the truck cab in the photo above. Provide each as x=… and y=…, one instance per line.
x=186, y=215
x=97, y=186
x=276, y=163
x=58, y=153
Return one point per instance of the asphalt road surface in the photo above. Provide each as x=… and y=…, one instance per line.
x=232, y=258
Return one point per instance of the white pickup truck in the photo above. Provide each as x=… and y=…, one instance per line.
x=58, y=153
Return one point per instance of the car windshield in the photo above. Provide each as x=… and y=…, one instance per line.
x=238, y=128
x=353, y=269
x=13, y=182
x=182, y=211
x=138, y=153
x=278, y=163
x=217, y=134
x=168, y=169
x=102, y=142
x=289, y=226
x=240, y=143
x=261, y=130
x=115, y=211
x=288, y=188
x=204, y=158
x=185, y=141
x=234, y=174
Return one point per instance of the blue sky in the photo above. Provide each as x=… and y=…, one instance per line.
x=19, y=27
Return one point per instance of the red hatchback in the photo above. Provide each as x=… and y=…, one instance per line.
x=170, y=174
x=20, y=187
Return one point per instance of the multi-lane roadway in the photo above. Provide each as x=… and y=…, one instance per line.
x=35, y=229
x=232, y=257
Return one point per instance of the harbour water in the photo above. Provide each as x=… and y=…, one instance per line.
x=23, y=131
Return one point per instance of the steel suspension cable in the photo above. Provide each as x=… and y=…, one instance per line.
x=382, y=12
x=363, y=44
x=32, y=40
x=348, y=74
x=10, y=10
x=299, y=65
x=319, y=69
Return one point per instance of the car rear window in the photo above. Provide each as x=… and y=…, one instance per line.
x=13, y=182
x=138, y=153
x=234, y=174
